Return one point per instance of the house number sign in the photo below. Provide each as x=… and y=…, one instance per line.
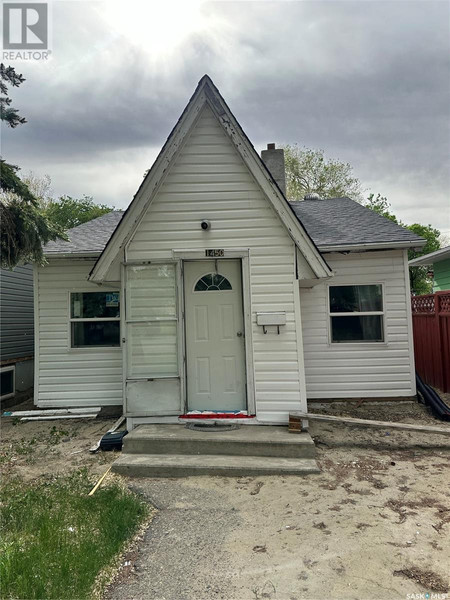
x=215, y=252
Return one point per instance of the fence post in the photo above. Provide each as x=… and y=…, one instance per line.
x=439, y=340
x=444, y=338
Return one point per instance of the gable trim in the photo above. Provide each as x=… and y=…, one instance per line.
x=263, y=177
x=206, y=92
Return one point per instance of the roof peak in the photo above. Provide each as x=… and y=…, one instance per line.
x=205, y=79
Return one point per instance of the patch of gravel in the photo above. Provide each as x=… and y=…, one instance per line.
x=427, y=579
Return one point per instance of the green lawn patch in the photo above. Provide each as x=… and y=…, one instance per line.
x=55, y=539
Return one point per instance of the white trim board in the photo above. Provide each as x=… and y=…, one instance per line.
x=243, y=255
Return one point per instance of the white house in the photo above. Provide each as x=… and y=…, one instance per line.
x=212, y=292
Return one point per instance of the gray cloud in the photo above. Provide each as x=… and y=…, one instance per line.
x=367, y=81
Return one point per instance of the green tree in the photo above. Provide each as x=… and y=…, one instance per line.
x=381, y=205
x=24, y=229
x=68, y=212
x=10, y=115
x=418, y=276
x=309, y=171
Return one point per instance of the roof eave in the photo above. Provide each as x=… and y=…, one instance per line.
x=371, y=246
x=429, y=259
x=72, y=254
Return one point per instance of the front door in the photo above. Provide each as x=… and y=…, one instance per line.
x=215, y=347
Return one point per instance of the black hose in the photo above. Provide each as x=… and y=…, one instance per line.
x=433, y=400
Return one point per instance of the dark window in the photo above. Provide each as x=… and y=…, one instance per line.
x=95, y=333
x=356, y=298
x=356, y=313
x=91, y=305
x=357, y=329
x=95, y=319
x=212, y=282
x=7, y=382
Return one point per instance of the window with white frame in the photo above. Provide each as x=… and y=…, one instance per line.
x=356, y=313
x=94, y=319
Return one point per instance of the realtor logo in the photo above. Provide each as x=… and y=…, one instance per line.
x=25, y=26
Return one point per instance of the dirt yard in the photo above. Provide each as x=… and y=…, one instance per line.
x=29, y=449
x=375, y=524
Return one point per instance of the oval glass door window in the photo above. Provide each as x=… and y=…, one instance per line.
x=212, y=282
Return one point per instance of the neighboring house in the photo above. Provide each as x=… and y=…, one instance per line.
x=16, y=331
x=213, y=292
x=440, y=263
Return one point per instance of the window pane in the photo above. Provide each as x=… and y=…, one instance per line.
x=7, y=382
x=212, y=281
x=356, y=298
x=95, y=333
x=90, y=305
x=152, y=349
x=151, y=292
x=357, y=329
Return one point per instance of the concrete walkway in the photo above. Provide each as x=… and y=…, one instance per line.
x=366, y=527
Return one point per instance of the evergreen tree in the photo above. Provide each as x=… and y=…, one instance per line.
x=24, y=229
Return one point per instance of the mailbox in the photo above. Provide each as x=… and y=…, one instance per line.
x=271, y=319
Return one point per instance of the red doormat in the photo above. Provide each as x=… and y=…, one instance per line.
x=216, y=415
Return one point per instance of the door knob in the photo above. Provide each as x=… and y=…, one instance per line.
x=239, y=334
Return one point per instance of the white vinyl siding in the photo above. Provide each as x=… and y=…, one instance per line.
x=209, y=181
x=70, y=376
x=350, y=370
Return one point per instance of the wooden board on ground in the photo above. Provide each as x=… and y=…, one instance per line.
x=370, y=423
x=52, y=411
x=57, y=417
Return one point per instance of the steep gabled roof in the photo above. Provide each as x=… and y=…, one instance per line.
x=207, y=93
x=342, y=223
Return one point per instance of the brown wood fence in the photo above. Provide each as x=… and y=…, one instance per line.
x=431, y=326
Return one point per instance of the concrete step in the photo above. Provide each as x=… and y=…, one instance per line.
x=184, y=465
x=247, y=440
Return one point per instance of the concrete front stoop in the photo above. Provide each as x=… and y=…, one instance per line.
x=176, y=451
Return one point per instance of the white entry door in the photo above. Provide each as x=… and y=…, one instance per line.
x=215, y=346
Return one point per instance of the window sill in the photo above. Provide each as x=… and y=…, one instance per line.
x=357, y=344
x=91, y=349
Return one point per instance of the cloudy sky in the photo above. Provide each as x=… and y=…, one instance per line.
x=367, y=81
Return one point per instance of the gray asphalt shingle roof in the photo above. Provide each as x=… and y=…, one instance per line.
x=88, y=237
x=329, y=222
x=344, y=222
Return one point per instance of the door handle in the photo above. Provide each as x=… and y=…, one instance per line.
x=239, y=334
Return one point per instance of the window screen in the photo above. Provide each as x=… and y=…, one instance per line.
x=152, y=321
